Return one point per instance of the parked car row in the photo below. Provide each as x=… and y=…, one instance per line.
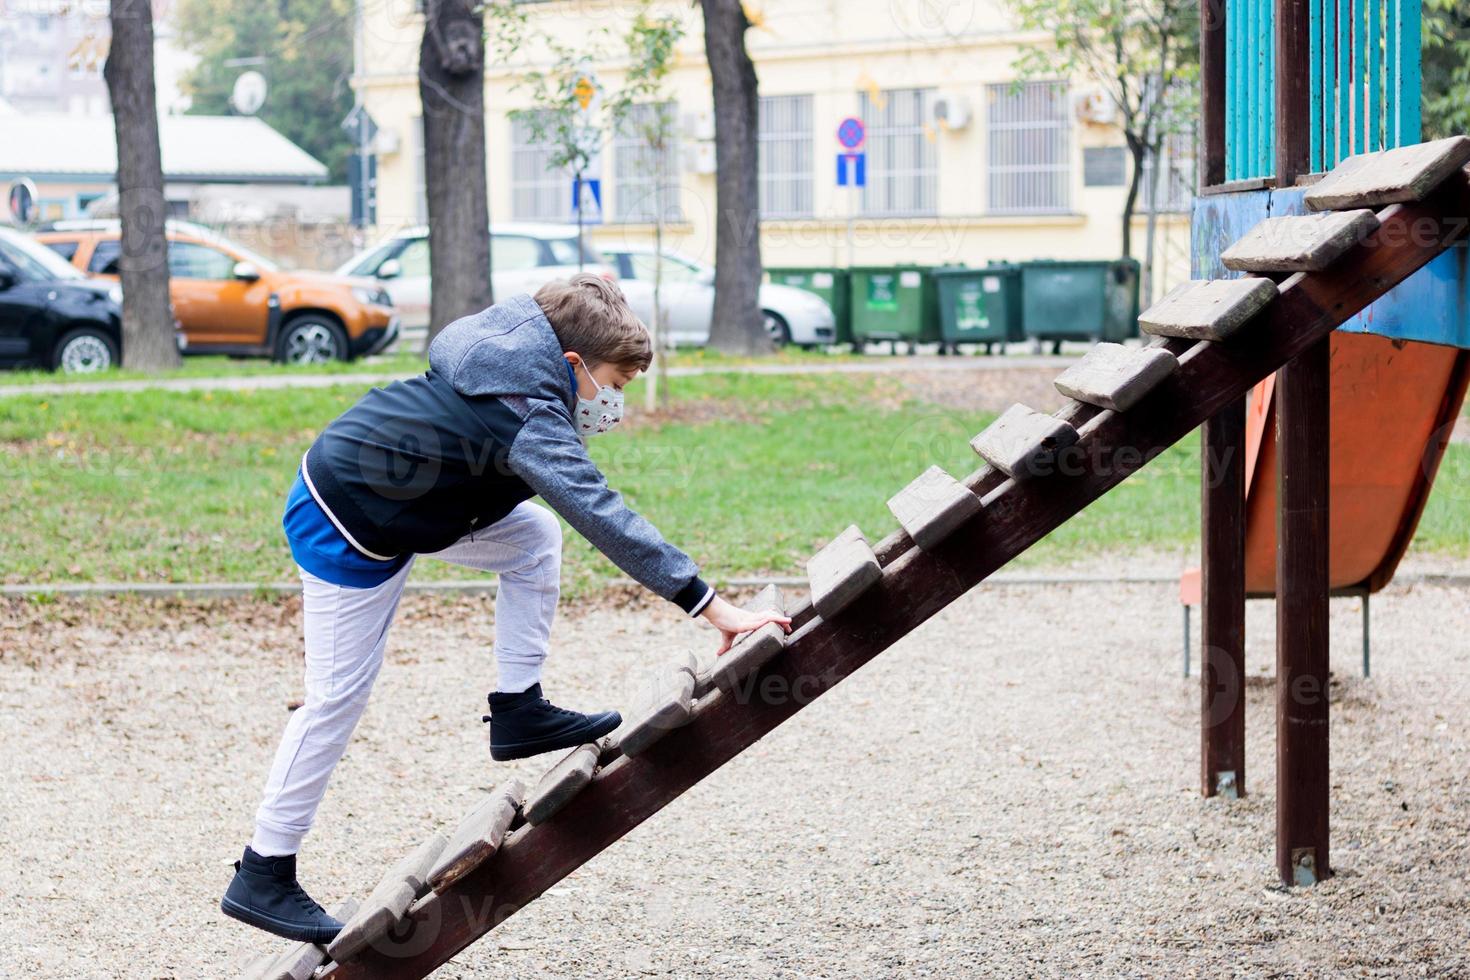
x=60, y=294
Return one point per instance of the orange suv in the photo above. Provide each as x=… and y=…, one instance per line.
x=229, y=300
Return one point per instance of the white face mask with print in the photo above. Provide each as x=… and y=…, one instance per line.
x=600, y=413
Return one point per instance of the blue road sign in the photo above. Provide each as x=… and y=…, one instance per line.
x=851, y=133
x=856, y=163
x=589, y=191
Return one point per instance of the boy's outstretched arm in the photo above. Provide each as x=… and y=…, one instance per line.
x=551, y=458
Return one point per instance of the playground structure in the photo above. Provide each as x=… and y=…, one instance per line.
x=1212, y=341
x=1320, y=250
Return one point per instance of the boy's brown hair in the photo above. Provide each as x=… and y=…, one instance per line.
x=591, y=317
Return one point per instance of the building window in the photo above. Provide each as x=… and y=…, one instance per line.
x=1030, y=148
x=902, y=163
x=1104, y=166
x=786, y=156
x=645, y=178
x=1178, y=179
x=538, y=191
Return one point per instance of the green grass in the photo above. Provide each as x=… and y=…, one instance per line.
x=398, y=363
x=747, y=472
x=213, y=366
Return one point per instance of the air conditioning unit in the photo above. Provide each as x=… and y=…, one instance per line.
x=387, y=142
x=950, y=111
x=699, y=158
x=699, y=124
x=1096, y=107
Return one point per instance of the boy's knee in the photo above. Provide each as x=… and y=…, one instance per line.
x=546, y=533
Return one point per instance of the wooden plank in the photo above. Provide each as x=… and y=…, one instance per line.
x=841, y=572
x=751, y=652
x=478, y=835
x=1299, y=243
x=1303, y=448
x=415, y=868
x=1115, y=377
x=562, y=782
x=1293, y=91
x=1207, y=309
x=1023, y=443
x=1222, y=603
x=919, y=585
x=1212, y=58
x=932, y=506
x=301, y=960
x=388, y=902
x=1405, y=173
x=669, y=709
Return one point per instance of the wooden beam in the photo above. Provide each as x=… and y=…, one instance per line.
x=1222, y=606
x=1293, y=91
x=1303, y=414
x=1212, y=91
x=914, y=587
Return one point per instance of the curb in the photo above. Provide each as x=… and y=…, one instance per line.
x=232, y=590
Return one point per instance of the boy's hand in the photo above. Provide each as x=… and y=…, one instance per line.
x=731, y=621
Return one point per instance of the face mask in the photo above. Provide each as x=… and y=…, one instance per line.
x=601, y=412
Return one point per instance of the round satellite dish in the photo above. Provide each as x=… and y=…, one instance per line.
x=249, y=93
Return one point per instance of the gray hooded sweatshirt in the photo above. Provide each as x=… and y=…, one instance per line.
x=414, y=466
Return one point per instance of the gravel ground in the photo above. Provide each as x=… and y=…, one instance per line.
x=1020, y=803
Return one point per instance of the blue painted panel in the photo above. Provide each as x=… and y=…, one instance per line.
x=1432, y=306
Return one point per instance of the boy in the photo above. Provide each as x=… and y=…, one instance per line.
x=445, y=464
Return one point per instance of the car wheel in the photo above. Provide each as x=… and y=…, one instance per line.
x=311, y=339
x=85, y=350
x=776, y=328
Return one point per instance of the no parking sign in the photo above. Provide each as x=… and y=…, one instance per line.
x=850, y=135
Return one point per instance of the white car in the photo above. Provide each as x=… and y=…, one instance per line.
x=792, y=316
x=523, y=258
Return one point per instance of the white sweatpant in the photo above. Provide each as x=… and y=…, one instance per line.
x=346, y=630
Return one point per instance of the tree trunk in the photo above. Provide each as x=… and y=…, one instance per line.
x=736, y=327
x=148, y=320
x=452, y=90
x=1130, y=203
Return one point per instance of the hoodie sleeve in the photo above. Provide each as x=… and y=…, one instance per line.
x=551, y=458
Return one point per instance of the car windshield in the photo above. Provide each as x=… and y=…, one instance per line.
x=261, y=263
x=564, y=252
x=34, y=260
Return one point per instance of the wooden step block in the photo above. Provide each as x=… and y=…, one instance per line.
x=1116, y=377
x=752, y=652
x=1023, y=442
x=932, y=506
x=1207, y=309
x=301, y=960
x=1299, y=242
x=841, y=572
x=388, y=902
x=670, y=707
x=478, y=835
x=1405, y=173
x=562, y=782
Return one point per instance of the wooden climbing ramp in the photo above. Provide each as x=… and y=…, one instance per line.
x=1211, y=343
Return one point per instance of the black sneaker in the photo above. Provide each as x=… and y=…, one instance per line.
x=265, y=894
x=526, y=724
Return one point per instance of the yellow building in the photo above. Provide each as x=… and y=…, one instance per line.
x=960, y=165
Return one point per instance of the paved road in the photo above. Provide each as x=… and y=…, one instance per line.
x=258, y=382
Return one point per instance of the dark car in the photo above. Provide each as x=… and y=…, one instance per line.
x=53, y=316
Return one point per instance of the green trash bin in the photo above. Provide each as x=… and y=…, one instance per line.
x=827, y=282
x=898, y=303
x=979, y=306
x=1080, y=300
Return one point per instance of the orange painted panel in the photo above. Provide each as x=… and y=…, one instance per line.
x=1390, y=400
